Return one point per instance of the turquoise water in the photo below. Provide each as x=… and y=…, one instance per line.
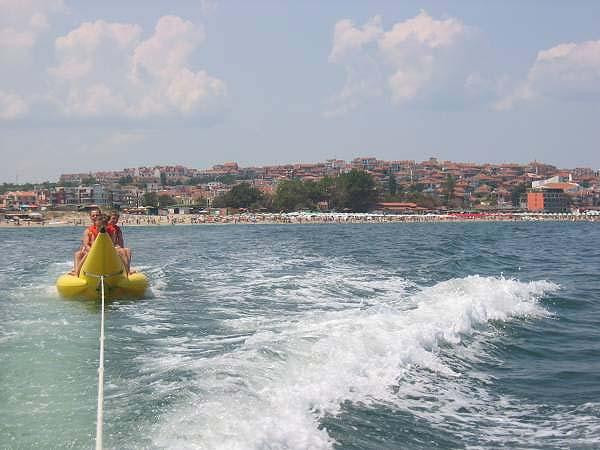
x=311, y=336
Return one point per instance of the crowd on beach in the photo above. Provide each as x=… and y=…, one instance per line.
x=319, y=218
x=309, y=218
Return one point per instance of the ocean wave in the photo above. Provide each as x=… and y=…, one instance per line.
x=275, y=388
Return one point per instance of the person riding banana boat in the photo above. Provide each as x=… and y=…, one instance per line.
x=116, y=234
x=102, y=261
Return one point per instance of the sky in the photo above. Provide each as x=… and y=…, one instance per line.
x=88, y=85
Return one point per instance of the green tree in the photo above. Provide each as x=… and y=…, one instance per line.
x=150, y=199
x=165, y=200
x=313, y=190
x=326, y=187
x=193, y=181
x=516, y=192
x=448, y=186
x=227, y=179
x=163, y=179
x=292, y=195
x=240, y=196
x=392, y=186
x=125, y=180
x=355, y=191
x=423, y=200
x=416, y=187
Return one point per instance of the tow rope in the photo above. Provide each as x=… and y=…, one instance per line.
x=100, y=412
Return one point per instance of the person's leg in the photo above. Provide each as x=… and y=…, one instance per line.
x=81, y=259
x=128, y=254
x=76, y=258
x=124, y=258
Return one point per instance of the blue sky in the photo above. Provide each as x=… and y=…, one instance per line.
x=91, y=85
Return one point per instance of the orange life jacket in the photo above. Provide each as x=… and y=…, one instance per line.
x=116, y=234
x=92, y=234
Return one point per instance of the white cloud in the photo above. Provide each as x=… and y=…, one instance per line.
x=93, y=101
x=569, y=71
x=348, y=38
x=12, y=106
x=188, y=91
x=168, y=50
x=21, y=23
x=83, y=52
x=422, y=29
x=411, y=48
x=408, y=56
x=518, y=94
x=107, y=69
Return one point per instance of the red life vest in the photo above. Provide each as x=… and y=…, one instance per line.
x=115, y=233
x=92, y=233
x=93, y=230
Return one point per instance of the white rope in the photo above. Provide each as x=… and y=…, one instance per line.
x=100, y=415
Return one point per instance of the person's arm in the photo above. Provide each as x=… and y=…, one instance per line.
x=112, y=234
x=87, y=241
x=120, y=241
x=84, y=239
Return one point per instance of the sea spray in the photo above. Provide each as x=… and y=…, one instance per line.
x=273, y=390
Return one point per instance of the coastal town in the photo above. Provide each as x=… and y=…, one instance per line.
x=173, y=194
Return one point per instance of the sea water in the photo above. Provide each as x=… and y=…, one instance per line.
x=311, y=336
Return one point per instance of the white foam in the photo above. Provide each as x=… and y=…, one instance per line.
x=67, y=263
x=7, y=336
x=325, y=284
x=272, y=391
x=150, y=329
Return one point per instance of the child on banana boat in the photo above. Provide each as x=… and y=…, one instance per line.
x=100, y=221
x=116, y=234
x=89, y=235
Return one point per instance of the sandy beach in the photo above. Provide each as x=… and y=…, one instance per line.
x=81, y=219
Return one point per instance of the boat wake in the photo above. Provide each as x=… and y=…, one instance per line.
x=285, y=376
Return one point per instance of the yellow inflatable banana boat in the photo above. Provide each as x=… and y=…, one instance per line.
x=102, y=261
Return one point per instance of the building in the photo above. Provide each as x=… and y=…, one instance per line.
x=398, y=207
x=19, y=199
x=173, y=174
x=62, y=196
x=547, y=200
x=477, y=184
x=364, y=163
x=75, y=178
x=535, y=201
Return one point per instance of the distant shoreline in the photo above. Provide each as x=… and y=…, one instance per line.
x=304, y=218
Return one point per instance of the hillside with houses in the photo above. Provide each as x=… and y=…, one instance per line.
x=401, y=186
